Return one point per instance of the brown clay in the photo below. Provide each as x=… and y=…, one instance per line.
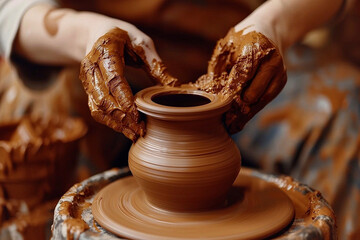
x=30, y=225
x=30, y=151
x=314, y=218
x=111, y=101
x=186, y=149
x=183, y=170
x=254, y=210
x=247, y=68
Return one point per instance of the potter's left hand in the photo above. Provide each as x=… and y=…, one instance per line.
x=248, y=67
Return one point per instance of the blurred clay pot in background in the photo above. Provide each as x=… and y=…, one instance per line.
x=186, y=161
x=37, y=160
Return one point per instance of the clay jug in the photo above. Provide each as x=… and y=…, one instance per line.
x=186, y=162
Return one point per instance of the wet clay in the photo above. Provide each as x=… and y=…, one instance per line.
x=247, y=68
x=183, y=171
x=254, y=210
x=111, y=101
x=30, y=152
x=314, y=218
x=32, y=225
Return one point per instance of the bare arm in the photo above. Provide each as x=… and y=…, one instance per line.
x=64, y=36
x=286, y=21
x=247, y=63
x=101, y=44
x=52, y=36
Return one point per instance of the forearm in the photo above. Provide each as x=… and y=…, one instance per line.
x=286, y=21
x=63, y=36
x=52, y=36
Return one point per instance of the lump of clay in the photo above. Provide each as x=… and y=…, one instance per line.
x=36, y=160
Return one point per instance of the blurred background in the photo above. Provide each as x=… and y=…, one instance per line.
x=310, y=131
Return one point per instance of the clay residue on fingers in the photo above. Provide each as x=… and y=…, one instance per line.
x=160, y=71
x=249, y=69
x=31, y=150
x=110, y=97
x=155, y=68
x=111, y=100
x=245, y=52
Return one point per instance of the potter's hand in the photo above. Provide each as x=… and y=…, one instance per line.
x=247, y=67
x=247, y=64
x=103, y=45
x=102, y=73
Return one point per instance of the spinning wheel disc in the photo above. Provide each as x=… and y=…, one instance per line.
x=255, y=209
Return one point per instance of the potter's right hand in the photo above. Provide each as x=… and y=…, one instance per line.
x=247, y=64
x=248, y=68
x=62, y=36
x=102, y=73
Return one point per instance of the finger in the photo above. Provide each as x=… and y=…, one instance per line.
x=160, y=74
x=270, y=65
x=130, y=122
x=111, y=64
x=152, y=63
x=226, y=52
x=275, y=87
x=120, y=98
x=110, y=98
x=86, y=68
x=118, y=121
x=94, y=85
x=107, y=119
x=220, y=60
x=240, y=112
x=241, y=74
x=92, y=79
x=141, y=46
x=100, y=105
x=237, y=116
x=104, y=109
x=101, y=116
x=127, y=124
x=211, y=84
x=111, y=59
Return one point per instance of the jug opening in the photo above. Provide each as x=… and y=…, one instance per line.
x=179, y=99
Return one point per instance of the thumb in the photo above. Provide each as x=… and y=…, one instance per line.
x=160, y=74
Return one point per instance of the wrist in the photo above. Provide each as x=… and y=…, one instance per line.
x=285, y=22
x=266, y=20
x=101, y=25
x=92, y=26
x=49, y=35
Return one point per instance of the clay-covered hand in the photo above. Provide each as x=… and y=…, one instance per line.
x=102, y=73
x=248, y=68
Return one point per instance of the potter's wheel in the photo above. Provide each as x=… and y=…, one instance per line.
x=255, y=209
